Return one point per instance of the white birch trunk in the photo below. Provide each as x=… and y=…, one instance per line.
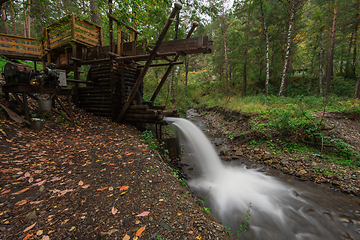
x=287, y=49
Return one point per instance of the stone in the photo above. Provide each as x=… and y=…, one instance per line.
x=31, y=215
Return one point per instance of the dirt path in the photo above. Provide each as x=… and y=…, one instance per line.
x=96, y=180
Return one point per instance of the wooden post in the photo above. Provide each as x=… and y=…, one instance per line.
x=119, y=40
x=101, y=37
x=175, y=10
x=48, y=46
x=76, y=75
x=68, y=95
x=26, y=107
x=110, y=27
x=73, y=37
x=168, y=71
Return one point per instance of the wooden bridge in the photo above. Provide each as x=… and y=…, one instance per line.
x=116, y=72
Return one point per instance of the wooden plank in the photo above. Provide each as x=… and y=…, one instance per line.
x=58, y=44
x=92, y=31
x=18, y=38
x=60, y=38
x=21, y=51
x=87, y=23
x=84, y=37
x=20, y=44
x=59, y=31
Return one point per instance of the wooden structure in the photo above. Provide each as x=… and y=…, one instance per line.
x=114, y=83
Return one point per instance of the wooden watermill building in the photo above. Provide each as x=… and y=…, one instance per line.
x=114, y=85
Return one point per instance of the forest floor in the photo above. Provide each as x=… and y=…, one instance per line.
x=92, y=180
x=307, y=166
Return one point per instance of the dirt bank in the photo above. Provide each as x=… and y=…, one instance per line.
x=307, y=167
x=92, y=180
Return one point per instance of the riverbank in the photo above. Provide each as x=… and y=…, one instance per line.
x=92, y=180
x=306, y=166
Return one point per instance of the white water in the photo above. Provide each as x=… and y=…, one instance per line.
x=230, y=190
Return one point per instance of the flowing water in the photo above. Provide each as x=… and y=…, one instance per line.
x=280, y=207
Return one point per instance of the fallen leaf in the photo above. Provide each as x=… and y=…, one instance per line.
x=109, y=232
x=45, y=237
x=65, y=221
x=72, y=228
x=114, y=210
x=39, y=183
x=30, y=227
x=40, y=232
x=21, y=191
x=22, y=202
x=14, y=183
x=101, y=189
x=36, y=202
x=128, y=154
x=143, y=214
x=140, y=231
x=4, y=192
x=86, y=186
x=123, y=193
x=81, y=183
x=161, y=200
x=124, y=188
x=31, y=180
x=28, y=236
x=137, y=222
x=126, y=237
x=27, y=174
x=111, y=188
x=56, y=179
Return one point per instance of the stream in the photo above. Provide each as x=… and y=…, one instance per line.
x=280, y=206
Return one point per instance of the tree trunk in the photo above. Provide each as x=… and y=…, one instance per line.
x=25, y=19
x=327, y=43
x=28, y=20
x=321, y=70
x=281, y=92
x=4, y=18
x=94, y=12
x=226, y=57
x=12, y=17
x=172, y=83
x=243, y=87
x=267, y=52
x=329, y=73
x=355, y=34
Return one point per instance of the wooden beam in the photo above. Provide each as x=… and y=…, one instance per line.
x=162, y=64
x=195, y=24
x=160, y=55
x=175, y=10
x=112, y=17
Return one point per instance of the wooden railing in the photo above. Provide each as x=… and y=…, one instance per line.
x=20, y=45
x=72, y=29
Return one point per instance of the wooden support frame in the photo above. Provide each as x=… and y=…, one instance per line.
x=176, y=9
x=168, y=71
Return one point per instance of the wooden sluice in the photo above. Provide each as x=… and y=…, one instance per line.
x=114, y=85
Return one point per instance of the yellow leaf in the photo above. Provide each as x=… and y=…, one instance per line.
x=72, y=228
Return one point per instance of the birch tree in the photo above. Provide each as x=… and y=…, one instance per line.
x=287, y=54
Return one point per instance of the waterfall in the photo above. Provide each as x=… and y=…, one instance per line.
x=230, y=190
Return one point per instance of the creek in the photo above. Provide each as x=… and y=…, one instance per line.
x=281, y=206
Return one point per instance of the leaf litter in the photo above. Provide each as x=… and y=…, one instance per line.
x=88, y=180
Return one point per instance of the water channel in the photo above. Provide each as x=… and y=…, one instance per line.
x=281, y=206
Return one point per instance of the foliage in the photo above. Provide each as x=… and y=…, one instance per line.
x=148, y=138
x=243, y=227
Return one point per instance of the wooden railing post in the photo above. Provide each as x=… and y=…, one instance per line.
x=175, y=10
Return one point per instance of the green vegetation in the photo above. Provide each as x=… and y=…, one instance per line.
x=148, y=138
x=243, y=227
